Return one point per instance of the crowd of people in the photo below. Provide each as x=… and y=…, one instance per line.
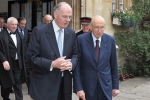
x=57, y=54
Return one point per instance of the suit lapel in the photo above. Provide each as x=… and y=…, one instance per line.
x=90, y=45
x=18, y=39
x=66, y=41
x=103, y=46
x=11, y=40
x=25, y=33
x=52, y=39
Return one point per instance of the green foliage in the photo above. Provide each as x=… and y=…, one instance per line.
x=135, y=47
x=142, y=7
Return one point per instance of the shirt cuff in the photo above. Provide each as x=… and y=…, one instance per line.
x=51, y=68
x=70, y=69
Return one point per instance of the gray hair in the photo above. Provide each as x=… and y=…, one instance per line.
x=58, y=6
x=11, y=18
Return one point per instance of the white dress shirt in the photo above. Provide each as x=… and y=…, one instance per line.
x=56, y=30
x=1, y=29
x=94, y=40
x=13, y=36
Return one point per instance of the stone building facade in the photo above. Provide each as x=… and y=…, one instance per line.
x=89, y=8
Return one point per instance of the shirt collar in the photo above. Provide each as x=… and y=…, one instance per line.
x=8, y=31
x=94, y=38
x=20, y=29
x=55, y=26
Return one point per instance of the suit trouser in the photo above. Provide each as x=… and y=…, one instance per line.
x=61, y=94
x=99, y=94
x=5, y=92
x=28, y=76
x=17, y=86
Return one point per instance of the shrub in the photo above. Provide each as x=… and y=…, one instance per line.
x=135, y=47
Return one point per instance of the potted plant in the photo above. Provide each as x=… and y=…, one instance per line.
x=116, y=17
x=126, y=17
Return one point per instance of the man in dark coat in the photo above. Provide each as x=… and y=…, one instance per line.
x=24, y=33
x=85, y=23
x=12, y=70
x=96, y=76
x=53, y=53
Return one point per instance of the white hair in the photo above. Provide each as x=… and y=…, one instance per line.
x=11, y=18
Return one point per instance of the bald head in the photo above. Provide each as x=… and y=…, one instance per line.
x=97, y=19
x=47, y=19
x=60, y=6
x=98, y=26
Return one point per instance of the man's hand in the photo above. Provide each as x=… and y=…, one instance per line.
x=66, y=65
x=57, y=63
x=115, y=92
x=6, y=65
x=62, y=63
x=81, y=94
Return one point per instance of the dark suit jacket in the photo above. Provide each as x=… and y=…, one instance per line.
x=25, y=38
x=42, y=50
x=89, y=71
x=79, y=33
x=7, y=53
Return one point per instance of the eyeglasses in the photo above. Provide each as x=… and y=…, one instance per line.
x=99, y=28
x=65, y=16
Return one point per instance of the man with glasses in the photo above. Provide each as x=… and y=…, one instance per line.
x=96, y=75
x=47, y=19
x=85, y=23
x=53, y=54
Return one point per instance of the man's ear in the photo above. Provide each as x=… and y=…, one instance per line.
x=90, y=27
x=55, y=14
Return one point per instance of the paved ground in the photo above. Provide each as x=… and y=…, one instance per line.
x=131, y=89
x=134, y=89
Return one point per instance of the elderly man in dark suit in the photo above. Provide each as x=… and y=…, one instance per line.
x=12, y=69
x=24, y=33
x=53, y=53
x=96, y=76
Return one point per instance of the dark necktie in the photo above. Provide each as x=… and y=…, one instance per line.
x=97, y=50
x=22, y=33
x=12, y=33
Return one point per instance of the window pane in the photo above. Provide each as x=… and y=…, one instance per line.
x=113, y=4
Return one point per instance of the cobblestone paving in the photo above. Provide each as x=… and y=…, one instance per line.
x=137, y=88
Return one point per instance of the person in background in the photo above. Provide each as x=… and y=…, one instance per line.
x=47, y=19
x=24, y=33
x=96, y=76
x=2, y=23
x=5, y=25
x=2, y=27
x=53, y=54
x=85, y=23
x=12, y=68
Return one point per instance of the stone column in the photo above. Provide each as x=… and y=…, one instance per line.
x=76, y=5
